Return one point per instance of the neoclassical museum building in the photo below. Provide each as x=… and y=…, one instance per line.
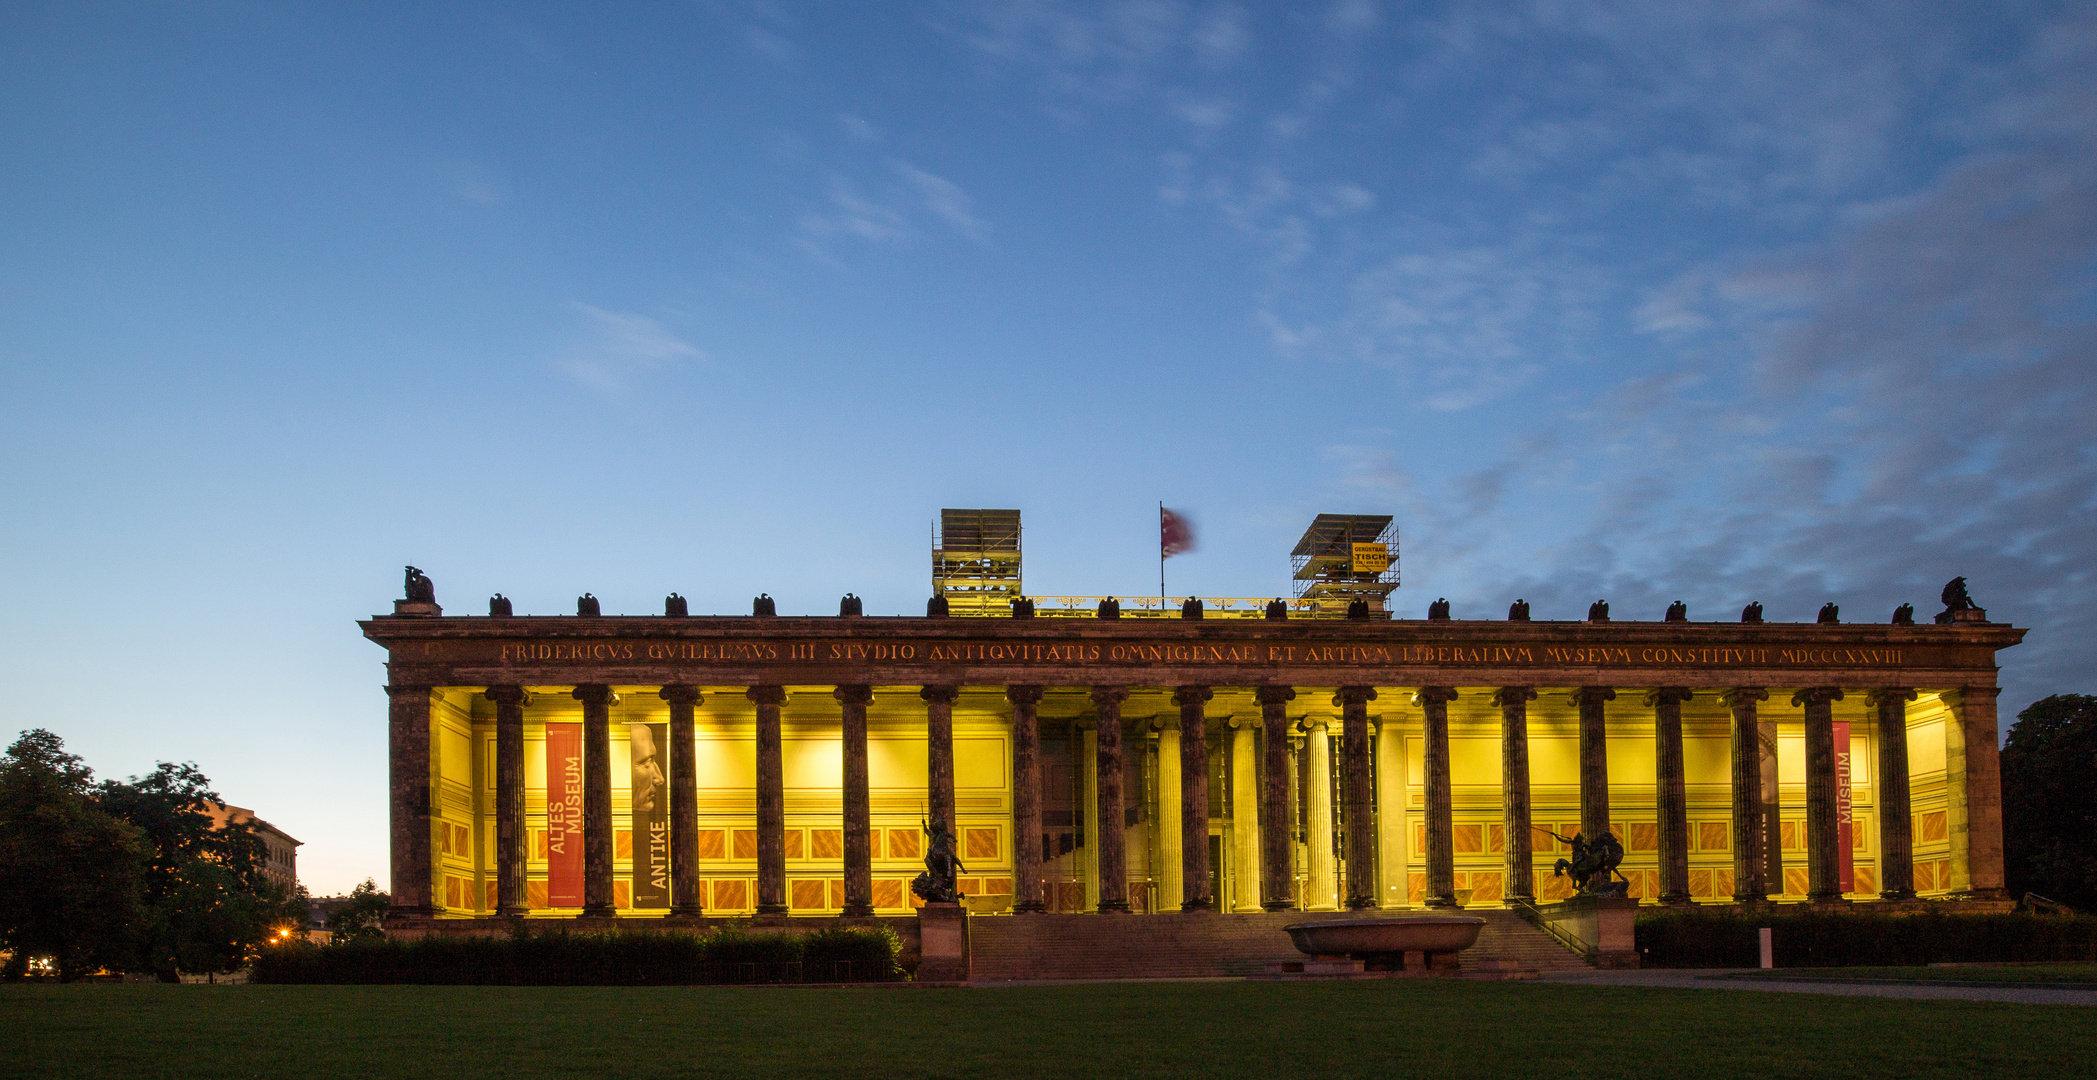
x=1092, y=754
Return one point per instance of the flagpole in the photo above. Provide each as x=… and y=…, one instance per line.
x=1161, y=550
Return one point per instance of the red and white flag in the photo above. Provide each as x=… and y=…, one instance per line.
x=1175, y=534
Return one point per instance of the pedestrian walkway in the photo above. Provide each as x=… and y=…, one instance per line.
x=1713, y=979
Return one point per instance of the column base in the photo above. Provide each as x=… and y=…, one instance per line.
x=1360, y=903
x=688, y=911
x=1197, y=905
x=1751, y=899
x=1443, y=903
x=771, y=909
x=512, y=911
x=1279, y=905
x=1681, y=899
x=1113, y=907
x=1829, y=900
x=1030, y=907
x=599, y=911
x=1897, y=894
x=1984, y=894
x=858, y=911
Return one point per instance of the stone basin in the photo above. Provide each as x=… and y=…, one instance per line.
x=1386, y=937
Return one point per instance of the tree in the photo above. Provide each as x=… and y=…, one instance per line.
x=363, y=916
x=2049, y=801
x=207, y=903
x=71, y=873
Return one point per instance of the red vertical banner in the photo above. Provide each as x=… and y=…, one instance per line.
x=564, y=815
x=1845, y=820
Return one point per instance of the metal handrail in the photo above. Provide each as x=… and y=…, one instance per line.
x=1531, y=912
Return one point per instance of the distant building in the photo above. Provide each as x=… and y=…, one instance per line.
x=282, y=863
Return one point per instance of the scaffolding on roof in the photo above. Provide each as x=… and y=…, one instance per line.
x=1336, y=563
x=975, y=561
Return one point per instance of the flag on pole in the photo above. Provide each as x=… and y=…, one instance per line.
x=1175, y=534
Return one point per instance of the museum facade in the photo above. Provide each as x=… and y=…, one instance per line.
x=677, y=766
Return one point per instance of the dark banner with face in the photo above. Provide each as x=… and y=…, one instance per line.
x=564, y=815
x=651, y=815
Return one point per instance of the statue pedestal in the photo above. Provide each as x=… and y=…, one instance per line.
x=1604, y=924
x=422, y=608
x=942, y=943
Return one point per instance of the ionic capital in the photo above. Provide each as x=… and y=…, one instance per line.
x=1514, y=696
x=1668, y=695
x=1434, y=695
x=1191, y=695
x=853, y=694
x=1352, y=697
x=1593, y=695
x=1882, y=698
x=1743, y=698
x=594, y=694
x=767, y=695
x=680, y=695
x=1817, y=695
x=507, y=695
x=1023, y=695
x=1109, y=696
x=940, y=695
x=1274, y=695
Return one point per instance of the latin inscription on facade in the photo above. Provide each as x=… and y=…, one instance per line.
x=1121, y=654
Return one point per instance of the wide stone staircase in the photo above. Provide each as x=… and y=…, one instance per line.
x=1203, y=945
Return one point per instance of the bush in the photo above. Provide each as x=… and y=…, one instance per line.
x=1720, y=938
x=558, y=957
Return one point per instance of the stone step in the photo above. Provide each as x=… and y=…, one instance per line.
x=1199, y=945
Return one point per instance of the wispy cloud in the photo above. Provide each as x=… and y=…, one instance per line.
x=619, y=347
x=944, y=199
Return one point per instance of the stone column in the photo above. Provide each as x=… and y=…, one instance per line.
x=1823, y=851
x=859, y=859
x=771, y=802
x=1168, y=823
x=1772, y=799
x=1245, y=814
x=1441, y=833
x=1026, y=798
x=1322, y=892
x=1896, y=827
x=1277, y=867
x=1974, y=763
x=596, y=701
x=1085, y=732
x=685, y=898
x=1670, y=792
x=1360, y=795
x=1195, y=889
x=1514, y=787
x=1392, y=827
x=408, y=745
x=1749, y=886
x=939, y=753
x=1113, y=816
x=510, y=898
x=1594, y=760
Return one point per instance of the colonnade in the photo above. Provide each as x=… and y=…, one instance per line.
x=1183, y=767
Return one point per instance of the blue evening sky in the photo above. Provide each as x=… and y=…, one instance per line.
x=1712, y=301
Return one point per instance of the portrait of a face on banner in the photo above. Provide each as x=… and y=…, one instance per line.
x=651, y=815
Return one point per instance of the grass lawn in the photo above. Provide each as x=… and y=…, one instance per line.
x=2020, y=974
x=1212, y=1030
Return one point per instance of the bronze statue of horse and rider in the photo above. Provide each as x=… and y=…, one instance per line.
x=1593, y=864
